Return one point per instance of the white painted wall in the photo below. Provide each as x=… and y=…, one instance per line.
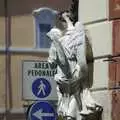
x=101, y=73
x=101, y=37
x=92, y=10
x=104, y=98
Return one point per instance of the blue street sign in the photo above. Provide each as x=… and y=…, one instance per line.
x=42, y=111
x=41, y=88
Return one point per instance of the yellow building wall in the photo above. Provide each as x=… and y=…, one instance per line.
x=19, y=30
x=2, y=24
x=2, y=31
x=2, y=82
x=22, y=31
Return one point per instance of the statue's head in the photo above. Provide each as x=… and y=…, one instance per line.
x=60, y=20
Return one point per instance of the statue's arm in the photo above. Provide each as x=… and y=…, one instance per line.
x=66, y=17
x=52, y=56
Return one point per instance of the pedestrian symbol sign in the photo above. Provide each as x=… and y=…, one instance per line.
x=42, y=111
x=41, y=88
x=38, y=80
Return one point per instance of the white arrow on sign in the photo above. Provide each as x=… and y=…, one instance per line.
x=39, y=114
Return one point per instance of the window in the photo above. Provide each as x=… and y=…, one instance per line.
x=44, y=21
x=44, y=40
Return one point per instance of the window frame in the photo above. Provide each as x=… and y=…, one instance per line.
x=37, y=22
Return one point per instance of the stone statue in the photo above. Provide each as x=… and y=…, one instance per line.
x=68, y=51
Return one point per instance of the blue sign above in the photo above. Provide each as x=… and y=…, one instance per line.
x=41, y=88
x=42, y=111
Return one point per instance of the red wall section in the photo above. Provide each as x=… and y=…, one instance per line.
x=116, y=105
x=114, y=68
x=114, y=9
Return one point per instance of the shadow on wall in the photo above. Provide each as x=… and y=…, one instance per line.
x=21, y=7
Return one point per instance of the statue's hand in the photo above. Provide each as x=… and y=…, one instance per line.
x=66, y=15
x=54, y=34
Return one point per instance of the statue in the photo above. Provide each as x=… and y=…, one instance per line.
x=68, y=51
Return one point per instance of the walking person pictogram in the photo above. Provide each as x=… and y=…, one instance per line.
x=41, y=88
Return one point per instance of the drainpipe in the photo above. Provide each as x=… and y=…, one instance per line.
x=7, y=60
